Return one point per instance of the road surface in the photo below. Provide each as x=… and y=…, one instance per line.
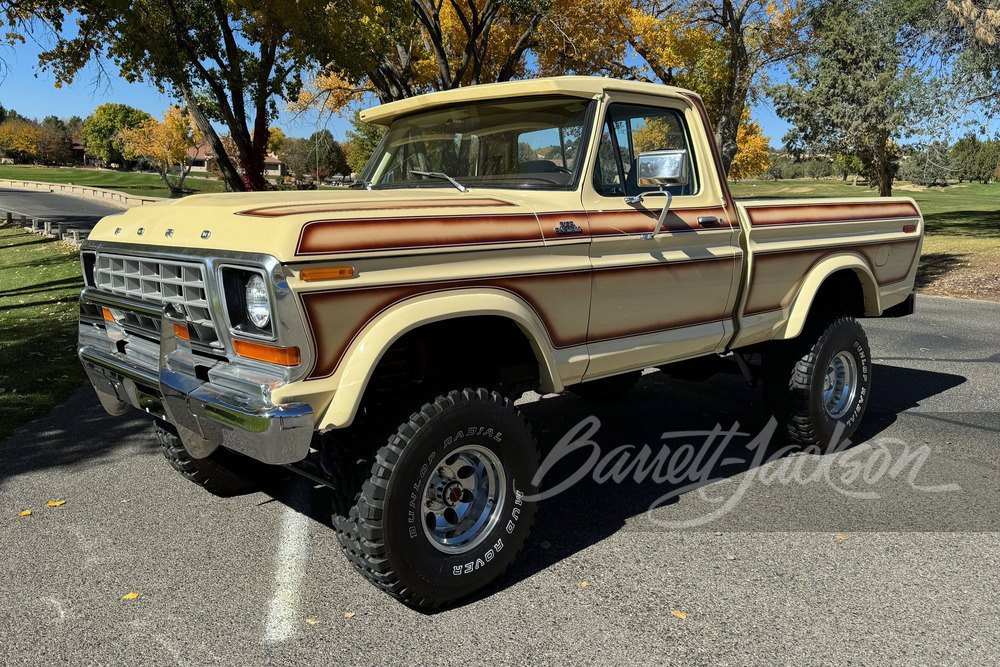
x=78, y=212
x=888, y=554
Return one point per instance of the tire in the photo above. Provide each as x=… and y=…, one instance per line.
x=819, y=385
x=441, y=515
x=223, y=473
x=614, y=388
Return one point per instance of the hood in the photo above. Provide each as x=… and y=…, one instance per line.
x=304, y=225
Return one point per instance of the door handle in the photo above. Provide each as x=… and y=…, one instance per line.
x=709, y=221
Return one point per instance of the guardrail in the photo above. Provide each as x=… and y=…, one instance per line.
x=113, y=197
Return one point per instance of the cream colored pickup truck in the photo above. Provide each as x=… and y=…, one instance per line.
x=548, y=235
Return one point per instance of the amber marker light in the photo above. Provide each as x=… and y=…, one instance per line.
x=283, y=356
x=327, y=273
x=107, y=314
x=181, y=331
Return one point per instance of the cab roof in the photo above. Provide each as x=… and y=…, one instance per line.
x=591, y=87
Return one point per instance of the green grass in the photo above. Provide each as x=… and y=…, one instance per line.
x=40, y=285
x=142, y=185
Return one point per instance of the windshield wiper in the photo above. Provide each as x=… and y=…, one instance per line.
x=443, y=177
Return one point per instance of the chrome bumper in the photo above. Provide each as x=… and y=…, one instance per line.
x=206, y=415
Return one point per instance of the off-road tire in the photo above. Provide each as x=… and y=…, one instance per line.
x=612, y=389
x=795, y=374
x=223, y=473
x=383, y=535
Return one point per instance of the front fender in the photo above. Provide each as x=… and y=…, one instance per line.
x=375, y=339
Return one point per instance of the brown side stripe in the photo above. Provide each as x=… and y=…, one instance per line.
x=798, y=214
x=322, y=237
x=388, y=205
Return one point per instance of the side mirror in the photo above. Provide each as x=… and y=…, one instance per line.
x=663, y=168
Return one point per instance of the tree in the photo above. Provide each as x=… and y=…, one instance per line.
x=329, y=155
x=848, y=165
x=853, y=93
x=298, y=156
x=275, y=140
x=163, y=144
x=753, y=158
x=963, y=156
x=102, y=129
x=55, y=145
x=230, y=62
x=721, y=49
x=363, y=139
x=20, y=139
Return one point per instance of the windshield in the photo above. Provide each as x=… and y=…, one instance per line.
x=520, y=143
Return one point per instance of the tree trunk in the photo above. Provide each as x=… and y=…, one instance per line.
x=229, y=172
x=855, y=183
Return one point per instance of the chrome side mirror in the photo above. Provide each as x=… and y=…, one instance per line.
x=663, y=168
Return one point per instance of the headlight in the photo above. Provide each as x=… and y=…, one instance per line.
x=257, y=302
x=248, y=302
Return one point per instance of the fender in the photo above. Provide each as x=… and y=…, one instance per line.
x=377, y=337
x=799, y=310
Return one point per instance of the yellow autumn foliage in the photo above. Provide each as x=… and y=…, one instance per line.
x=752, y=158
x=164, y=143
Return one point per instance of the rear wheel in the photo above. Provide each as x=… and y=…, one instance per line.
x=443, y=513
x=819, y=384
x=223, y=472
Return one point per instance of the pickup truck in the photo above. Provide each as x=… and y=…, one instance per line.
x=549, y=235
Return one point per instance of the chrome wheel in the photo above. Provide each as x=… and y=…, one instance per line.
x=840, y=385
x=463, y=499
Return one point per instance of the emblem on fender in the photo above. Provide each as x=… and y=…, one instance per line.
x=568, y=227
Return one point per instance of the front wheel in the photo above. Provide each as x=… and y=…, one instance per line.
x=819, y=385
x=443, y=513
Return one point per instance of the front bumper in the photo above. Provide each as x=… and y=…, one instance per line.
x=234, y=412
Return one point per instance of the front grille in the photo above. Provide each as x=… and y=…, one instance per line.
x=159, y=281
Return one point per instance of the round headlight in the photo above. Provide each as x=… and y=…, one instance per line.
x=258, y=303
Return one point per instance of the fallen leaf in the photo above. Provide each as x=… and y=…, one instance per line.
x=24, y=513
x=546, y=544
x=130, y=596
x=841, y=537
x=55, y=503
x=584, y=584
x=312, y=621
x=679, y=614
x=348, y=614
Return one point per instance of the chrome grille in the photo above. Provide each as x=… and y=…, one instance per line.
x=158, y=281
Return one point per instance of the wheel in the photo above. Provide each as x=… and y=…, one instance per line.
x=613, y=388
x=223, y=473
x=442, y=514
x=820, y=384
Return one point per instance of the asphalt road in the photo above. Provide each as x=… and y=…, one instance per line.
x=81, y=213
x=888, y=554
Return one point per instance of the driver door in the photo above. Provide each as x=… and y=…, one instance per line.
x=670, y=297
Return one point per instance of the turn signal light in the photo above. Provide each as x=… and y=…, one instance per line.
x=283, y=356
x=327, y=273
x=909, y=229
x=107, y=314
x=181, y=331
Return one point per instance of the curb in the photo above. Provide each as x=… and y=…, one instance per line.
x=113, y=197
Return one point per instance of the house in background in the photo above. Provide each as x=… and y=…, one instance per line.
x=201, y=157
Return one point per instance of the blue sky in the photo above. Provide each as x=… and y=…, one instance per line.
x=31, y=92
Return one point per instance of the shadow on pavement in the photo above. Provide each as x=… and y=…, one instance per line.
x=588, y=512
x=78, y=433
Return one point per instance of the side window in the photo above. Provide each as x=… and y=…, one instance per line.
x=630, y=130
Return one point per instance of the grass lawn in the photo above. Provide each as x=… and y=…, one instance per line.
x=40, y=286
x=143, y=185
x=961, y=253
